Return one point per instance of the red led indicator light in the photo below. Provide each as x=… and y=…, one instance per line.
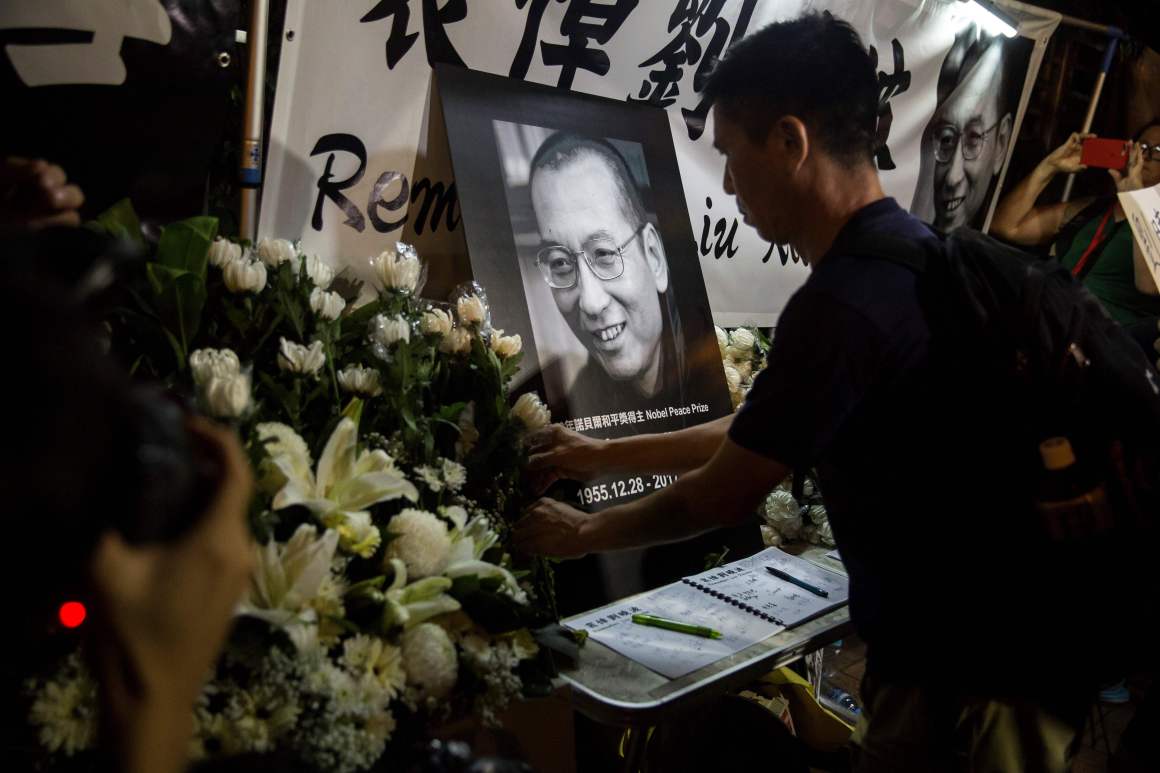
x=71, y=614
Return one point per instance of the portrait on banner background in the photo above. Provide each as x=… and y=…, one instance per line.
x=972, y=130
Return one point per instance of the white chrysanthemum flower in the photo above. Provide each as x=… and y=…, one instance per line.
x=470, y=310
x=380, y=725
x=329, y=606
x=420, y=541
x=436, y=322
x=817, y=514
x=325, y=304
x=304, y=360
x=430, y=478
x=223, y=252
x=531, y=411
x=733, y=355
x=346, y=482
x=360, y=380
x=454, y=475
x=780, y=506
x=398, y=270
x=744, y=370
x=389, y=330
x=782, y=512
x=64, y=710
x=506, y=346
x=722, y=339
x=457, y=341
x=226, y=397
x=244, y=276
x=319, y=271
x=205, y=364
x=742, y=339
x=275, y=252
x=430, y=661
x=370, y=655
x=769, y=536
x=468, y=434
x=732, y=377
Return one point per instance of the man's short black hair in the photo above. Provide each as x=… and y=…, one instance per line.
x=813, y=67
x=565, y=148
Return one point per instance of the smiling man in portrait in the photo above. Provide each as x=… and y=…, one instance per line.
x=605, y=264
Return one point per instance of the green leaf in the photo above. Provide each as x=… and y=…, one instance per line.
x=185, y=244
x=120, y=221
x=180, y=299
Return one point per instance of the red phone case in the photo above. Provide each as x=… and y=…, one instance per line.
x=1104, y=153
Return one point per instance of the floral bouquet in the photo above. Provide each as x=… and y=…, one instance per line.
x=388, y=462
x=743, y=351
x=785, y=518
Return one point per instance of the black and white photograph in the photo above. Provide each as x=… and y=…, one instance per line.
x=604, y=289
x=972, y=130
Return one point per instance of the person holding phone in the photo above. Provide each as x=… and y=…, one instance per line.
x=1090, y=235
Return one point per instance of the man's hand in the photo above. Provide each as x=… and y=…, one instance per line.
x=163, y=613
x=36, y=194
x=1066, y=158
x=560, y=453
x=1132, y=176
x=551, y=528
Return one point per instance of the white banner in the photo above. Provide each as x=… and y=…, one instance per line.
x=349, y=171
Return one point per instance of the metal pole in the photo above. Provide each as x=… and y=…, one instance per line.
x=250, y=162
x=1084, y=24
x=1114, y=35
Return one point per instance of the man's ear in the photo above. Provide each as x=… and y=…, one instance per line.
x=790, y=139
x=654, y=256
x=1002, y=139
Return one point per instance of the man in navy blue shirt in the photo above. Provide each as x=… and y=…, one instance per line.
x=967, y=652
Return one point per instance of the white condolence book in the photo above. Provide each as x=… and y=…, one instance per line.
x=743, y=601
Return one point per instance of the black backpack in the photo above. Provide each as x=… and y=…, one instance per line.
x=1034, y=337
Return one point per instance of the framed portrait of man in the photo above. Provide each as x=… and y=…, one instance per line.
x=576, y=225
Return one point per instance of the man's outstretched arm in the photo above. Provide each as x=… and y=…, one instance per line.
x=724, y=491
x=559, y=453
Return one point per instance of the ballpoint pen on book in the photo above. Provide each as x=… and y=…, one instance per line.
x=676, y=625
x=800, y=583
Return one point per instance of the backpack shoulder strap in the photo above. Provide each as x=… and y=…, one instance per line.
x=894, y=249
x=1066, y=236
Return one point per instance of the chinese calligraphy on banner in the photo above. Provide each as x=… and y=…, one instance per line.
x=350, y=169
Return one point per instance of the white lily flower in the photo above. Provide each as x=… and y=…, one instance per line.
x=468, y=543
x=287, y=578
x=345, y=483
x=409, y=605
